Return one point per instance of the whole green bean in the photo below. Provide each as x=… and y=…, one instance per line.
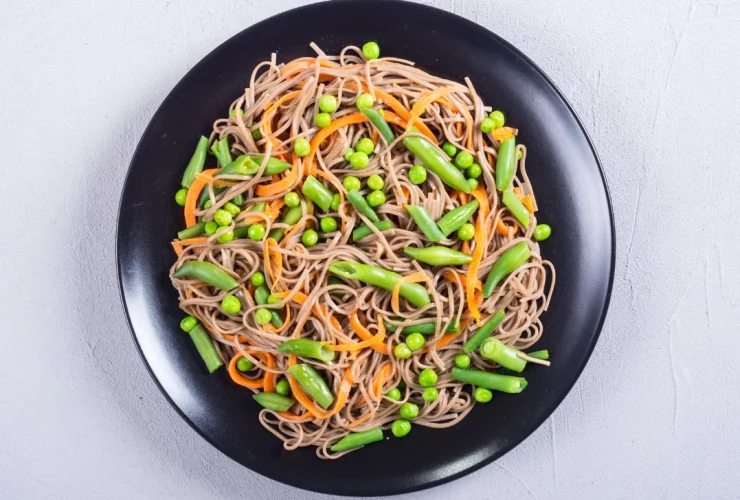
x=308, y=349
x=382, y=278
x=543, y=354
x=380, y=123
x=242, y=231
x=455, y=218
x=273, y=401
x=207, y=351
x=260, y=297
x=435, y=161
x=362, y=206
x=197, y=161
x=221, y=151
x=424, y=328
x=193, y=231
x=312, y=383
x=425, y=222
x=438, y=256
x=504, y=355
x=363, y=230
x=356, y=439
x=516, y=207
x=505, y=163
x=274, y=165
x=488, y=380
x=292, y=216
x=484, y=331
x=207, y=273
x=317, y=193
x=508, y=262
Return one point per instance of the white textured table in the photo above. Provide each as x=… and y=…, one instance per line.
x=655, y=414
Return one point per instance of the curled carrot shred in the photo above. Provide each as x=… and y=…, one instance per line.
x=281, y=186
x=380, y=379
x=364, y=333
x=480, y=240
x=528, y=202
x=425, y=100
x=325, y=132
x=267, y=383
x=345, y=386
x=504, y=133
x=178, y=245
x=416, y=277
x=191, y=199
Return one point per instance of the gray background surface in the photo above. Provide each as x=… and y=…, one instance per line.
x=654, y=415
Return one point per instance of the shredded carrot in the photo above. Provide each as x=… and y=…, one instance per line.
x=266, y=383
x=376, y=340
x=501, y=227
x=458, y=128
x=325, y=132
x=178, y=245
x=416, y=277
x=280, y=186
x=449, y=337
x=528, y=202
x=345, y=386
x=297, y=66
x=480, y=239
x=191, y=199
x=504, y=133
x=318, y=310
x=425, y=100
x=363, y=332
x=292, y=416
x=380, y=379
x=465, y=247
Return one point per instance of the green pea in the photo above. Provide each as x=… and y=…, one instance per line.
x=519, y=154
x=244, y=365
x=394, y=394
x=375, y=182
x=462, y=360
x=235, y=111
x=226, y=237
x=429, y=394
x=365, y=145
x=376, y=198
x=256, y=232
x=487, y=125
x=417, y=174
x=310, y=238
x=364, y=101
x=292, y=199
x=328, y=103
x=335, y=201
x=473, y=183
x=188, y=323
x=222, y=217
x=359, y=159
x=262, y=316
x=402, y=351
x=474, y=171
x=348, y=154
x=498, y=118
x=208, y=204
x=400, y=427
x=351, y=183
x=282, y=387
x=482, y=395
x=449, y=149
x=427, y=377
x=322, y=119
x=463, y=159
x=257, y=279
x=409, y=411
x=232, y=209
x=256, y=134
x=415, y=341
x=180, y=196
x=301, y=147
x=328, y=224
x=274, y=299
x=466, y=232
x=371, y=50
x=231, y=305
x=211, y=228
x=542, y=232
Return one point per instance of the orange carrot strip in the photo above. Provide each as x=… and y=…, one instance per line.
x=191, y=199
x=380, y=379
x=480, y=239
x=325, y=132
x=376, y=340
x=425, y=100
x=503, y=133
x=416, y=277
x=345, y=386
x=528, y=202
x=502, y=228
x=363, y=332
x=280, y=186
x=240, y=379
x=449, y=337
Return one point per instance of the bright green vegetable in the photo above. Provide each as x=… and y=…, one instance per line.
x=222, y=217
x=205, y=348
x=542, y=232
x=359, y=159
x=402, y=351
x=274, y=299
x=230, y=305
x=292, y=216
x=197, y=161
x=504, y=355
x=225, y=237
x=498, y=118
x=454, y=219
x=449, y=149
x=429, y=394
x=371, y=50
x=256, y=134
x=208, y=204
x=487, y=125
x=492, y=381
x=308, y=349
x=301, y=147
x=377, y=119
x=382, y=278
x=425, y=222
x=505, y=164
x=474, y=171
x=221, y=151
x=409, y=411
x=484, y=331
x=188, y=323
x=394, y=394
x=262, y=297
x=364, y=101
x=516, y=207
x=322, y=119
x=335, y=202
x=376, y=198
x=328, y=103
x=466, y=232
x=273, y=401
x=351, y=183
x=262, y=316
x=463, y=159
x=257, y=279
x=436, y=162
x=482, y=395
x=256, y=232
x=348, y=154
x=193, y=231
x=508, y=262
x=282, y=387
x=312, y=383
x=292, y=199
x=363, y=230
x=207, y=273
x=400, y=427
x=235, y=111
x=427, y=377
x=415, y=341
x=362, y=206
x=357, y=439
x=417, y=174
x=310, y=238
x=544, y=354
x=424, y=328
x=462, y=360
x=519, y=154
x=180, y=196
x=211, y=228
x=244, y=365
x=317, y=193
x=438, y=256
x=365, y=145
x=473, y=184
x=231, y=208
x=375, y=182
x=328, y=224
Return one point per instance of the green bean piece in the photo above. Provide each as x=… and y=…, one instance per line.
x=273, y=401
x=335, y=202
x=543, y=354
x=291, y=217
x=435, y=161
x=454, y=219
x=197, y=162
x=312, y=383
x=504, y=355
x=222, y=152
x=484, y=331
x=508, y=262
x=382, y=278
x=505, y=164
x=238, y=200
x=357, y=439
x=193, y=231
x=491, y=381
x=274, y=165
x=261, y=294
x=380, y=124
x=438, y=256
x=424, y=328
x=363, y=230
x=207, y=273
x=516, y=207
x=425, y=222
x=207, y=351
x=362, y=206
x=317, y=193
x=308, y=349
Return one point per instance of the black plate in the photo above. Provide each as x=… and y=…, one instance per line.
x=563, y=168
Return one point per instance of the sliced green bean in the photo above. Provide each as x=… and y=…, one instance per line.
x=504, y=355
x=509, y=261
x=382, y=278
x=317, y=193
x=193, y=231
x=484, y=331
x=488, y=380
x=438, y=256
x=312, y=383
x=543, y=354
x=380, y=123
x=207, y=273
x=362, y=206
x=363, y=230
x=204, y=345
x=516, y=207
x=197, y=162
x=357, y=439
x=425, y=222
x=424, y=328
x=273, y=401
x=454, y=219
x=505, y=164
x=436, y=161
x=291, y=217
x=308, y=349
x=260, y=297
